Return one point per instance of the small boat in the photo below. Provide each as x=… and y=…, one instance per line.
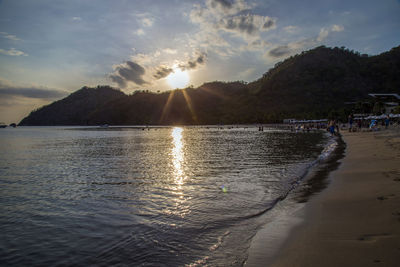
x=3, y=125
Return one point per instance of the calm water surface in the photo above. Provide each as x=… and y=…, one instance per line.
x=133, y=197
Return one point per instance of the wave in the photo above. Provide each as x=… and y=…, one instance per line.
x=326, y=153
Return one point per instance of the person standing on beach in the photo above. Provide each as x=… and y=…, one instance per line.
x=337, y=127
x=350, y=122
x=331, y=127
x=387, y=121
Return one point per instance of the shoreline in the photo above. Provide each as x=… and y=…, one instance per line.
x=354, y=221
x=289, y=213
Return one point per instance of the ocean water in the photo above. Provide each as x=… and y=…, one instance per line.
x=169, y=196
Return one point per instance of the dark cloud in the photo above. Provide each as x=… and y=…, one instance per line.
x=243, y=23
x=279, y=51
x=117, y=79
x=248, y=24
x=30, y=92
x=162, y=71
x=201, y=59
x=268, y=24
x=131, y=72
x=223, y=3
x=192, y=64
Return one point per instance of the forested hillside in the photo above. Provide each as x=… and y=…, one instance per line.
x=313, y=84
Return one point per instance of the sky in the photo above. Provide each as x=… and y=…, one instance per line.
x=51, y=48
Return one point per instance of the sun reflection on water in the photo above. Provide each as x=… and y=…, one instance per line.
x=180, y=206
x=177, y=155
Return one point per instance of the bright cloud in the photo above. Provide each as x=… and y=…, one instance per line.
x=76, y=18
x=145, y=19
x=291, y=29
x=337, y=28
x=12, y=52
x=9, y=36
x=139, y=32
x=232, y=17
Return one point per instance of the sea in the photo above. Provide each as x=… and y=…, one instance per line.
x=146, y=196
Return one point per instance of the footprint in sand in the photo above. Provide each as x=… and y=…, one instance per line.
x=390, y=174
x=385, y=197
x=373, y=237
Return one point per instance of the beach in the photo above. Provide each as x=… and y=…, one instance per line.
x=356, y=220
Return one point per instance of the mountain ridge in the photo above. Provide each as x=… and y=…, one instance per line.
x=312, y=84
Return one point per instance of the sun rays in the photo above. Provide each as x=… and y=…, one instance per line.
x=188, y=102
x=167, y=106
x=173, y=95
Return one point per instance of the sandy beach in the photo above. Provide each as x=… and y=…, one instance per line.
x=356, y=220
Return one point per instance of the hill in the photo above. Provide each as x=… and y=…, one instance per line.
x=76, y=109
x=321, y=80
x=313, y=84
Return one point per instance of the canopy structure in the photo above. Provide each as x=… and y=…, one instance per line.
x=293, y=121
x=386, y=96
x=383, y=116
x=380, y=117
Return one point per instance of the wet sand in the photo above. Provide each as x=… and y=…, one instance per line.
x=356, y=220
x=353, y=222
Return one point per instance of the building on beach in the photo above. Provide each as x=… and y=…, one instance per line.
x=389, y=101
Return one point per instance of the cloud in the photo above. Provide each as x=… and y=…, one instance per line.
x=199, y=59
x=7, y=89
x=291, y=29
x=145, y=19
x=246, y=24
x=170, y=51
x=194, y=62
x=146, y=59
x=223, y=3
x=128, y=72
x=119, y=80
x=280, y=51
x=323, y=33
x=337, y=28
x=12, y=52
x=229, y=16
x=139, y=32
x=255, y=45
x=227, y=7
x=232, y=17
x=147, y=22
x=290, y=48
x=76, y=19
x=9, y=36
x=162, y=72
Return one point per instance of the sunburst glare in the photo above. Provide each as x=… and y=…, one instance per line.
x=178, y=78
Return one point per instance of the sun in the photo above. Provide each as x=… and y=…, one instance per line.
x=178, y=78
